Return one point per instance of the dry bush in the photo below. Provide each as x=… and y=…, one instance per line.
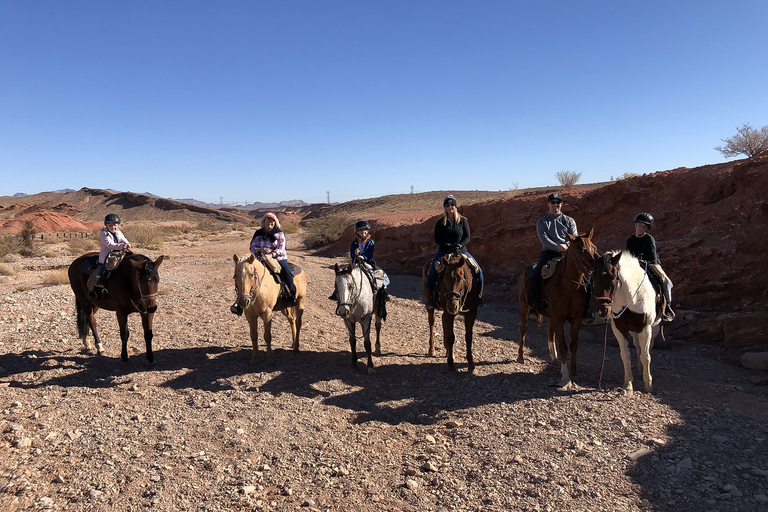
x=324, y=230
x=747, y=141
x=9, y=246
x=211, y=227
x=290, y=227
x=55, y=277
x=7, y=270
x=568, y=179
x=78, y=246
x=145, y=236
x=23, y=288
x=627, y=175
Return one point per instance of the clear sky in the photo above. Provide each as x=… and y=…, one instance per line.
x=276, y=100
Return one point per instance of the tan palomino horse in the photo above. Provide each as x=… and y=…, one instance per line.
x=259, y=295
x=567, y=297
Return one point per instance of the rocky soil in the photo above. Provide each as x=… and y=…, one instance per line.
x=205, y=430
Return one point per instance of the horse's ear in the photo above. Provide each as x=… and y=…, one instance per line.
x=615, y=259
x=337, y=269
x=235, y=258
x=159, y=260
x=251, y=258
x=571, y=237
x=591, y=232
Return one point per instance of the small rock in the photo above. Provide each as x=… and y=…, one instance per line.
x=518, y=459
x=755, y=360
x=59, y=480
x=24, y=442
x=429, y=467
x=95, y=493
x=761, y=498
x=686, y=463
x=46, y=502
x=720, y=439
x=639, y=454
x=248, y=489
x=410, y=472
x=412, y=484
x=453, y=424
x=15, y=405
x=430, y=439
x=760, y=472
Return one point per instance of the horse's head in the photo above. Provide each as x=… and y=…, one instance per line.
x=456, y=282
x=245, y=279
x=605, y=280
x=147, y=282
x=345, y=290
x=585, y=253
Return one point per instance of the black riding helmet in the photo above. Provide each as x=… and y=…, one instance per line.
x=112, y=217
x=362, y=224
x=449, y=200
x=645, y=218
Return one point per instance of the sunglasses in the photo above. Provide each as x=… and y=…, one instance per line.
x=555, y=202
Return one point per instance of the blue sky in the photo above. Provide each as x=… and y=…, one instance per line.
x=271, y=101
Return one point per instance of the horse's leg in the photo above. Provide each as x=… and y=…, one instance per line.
x=122, y=321
x=643, y=344
x=558, y=330
x=268, y=336
x=469, y=324
x=551, y=342
x=625, y=357
x=574, y=343
x=523, y=330
x=448, y=338
x=431, y=320
x=352, y=340
x=146, y=323
x=292, y=315
x=365, y=325
x=83, y=323
x=253, y=325
x=377, y=351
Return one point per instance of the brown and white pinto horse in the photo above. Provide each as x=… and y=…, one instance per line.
x=566, y=296
x=458, y=293
x=132, y=288
x=635, y=309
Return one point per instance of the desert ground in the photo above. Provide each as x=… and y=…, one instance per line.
x=204, y=429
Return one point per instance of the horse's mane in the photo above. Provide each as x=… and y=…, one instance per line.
x=148, y=271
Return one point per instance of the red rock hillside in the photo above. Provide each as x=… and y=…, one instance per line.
x=711, y=231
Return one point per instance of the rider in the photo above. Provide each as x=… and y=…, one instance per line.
x=269, y=242
x=642, y=245
x=361, y=251
x=552, y=229
x=451, y=236
x=111, y=239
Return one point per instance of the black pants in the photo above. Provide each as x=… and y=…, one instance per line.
x=534, y=287
x=287, y=275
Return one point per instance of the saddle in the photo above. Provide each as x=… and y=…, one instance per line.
x=656, y=277
x=274, y=269
x=546, y=271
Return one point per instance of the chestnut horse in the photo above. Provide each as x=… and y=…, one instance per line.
x=458, y=292
x=566, y=296
x=357, y=304
x=132, y=288
x=258, y=292
x=636, y=310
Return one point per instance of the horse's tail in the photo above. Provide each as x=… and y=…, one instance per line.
x=82, y=320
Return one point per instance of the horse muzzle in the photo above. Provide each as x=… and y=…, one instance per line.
x=604, y=307
x=342, y=310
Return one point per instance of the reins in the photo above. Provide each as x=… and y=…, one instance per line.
x=632, y=298
x=350, y=304
x=259, y=280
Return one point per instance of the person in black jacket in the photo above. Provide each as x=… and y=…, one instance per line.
x=642, y=246
x=451, y=236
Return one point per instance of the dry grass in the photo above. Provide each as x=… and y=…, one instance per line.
x=7, y=270
x=55, y=277
x=79, y=246
x=146, y=236
x=325, y=231
x=290, y=227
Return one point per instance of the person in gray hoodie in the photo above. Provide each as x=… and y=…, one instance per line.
x=552, y=229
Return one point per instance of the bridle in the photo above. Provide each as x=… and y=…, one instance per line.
x=340, y=304
x=461, y=298
x=254, y=289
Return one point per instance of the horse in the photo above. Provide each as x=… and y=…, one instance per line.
x=258, y=293
x=357, y=304
x=636, y=311
x=131, y=288
x=566, y=293
x=458, y=292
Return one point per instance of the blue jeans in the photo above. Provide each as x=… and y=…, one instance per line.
x=287, y=275
x=432, y=272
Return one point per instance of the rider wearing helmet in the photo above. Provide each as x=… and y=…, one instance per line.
x=643, y=246
x=362, y=246
x=111, y=239
x=451, y=236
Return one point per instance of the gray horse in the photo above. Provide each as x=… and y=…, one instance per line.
x=357, y=304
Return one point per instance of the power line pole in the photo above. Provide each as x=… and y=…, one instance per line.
x=328, y=194
x=411, y=189
x=221, y=200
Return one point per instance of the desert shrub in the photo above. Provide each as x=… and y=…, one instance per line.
x=23, y=288
x=290, y=227
x=747, y=141
x=568, y=179
x=627, y=175
x=55, y=277
x=7, y=270
x=79, y=246
x=325, y=230
x=49, y=254
x=9, y=246
x=145, y=236
x=210, y=227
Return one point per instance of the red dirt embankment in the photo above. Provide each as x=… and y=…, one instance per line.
x=711, y=227
x=47, y=222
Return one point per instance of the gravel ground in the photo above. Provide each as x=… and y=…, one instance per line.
x=205, y=430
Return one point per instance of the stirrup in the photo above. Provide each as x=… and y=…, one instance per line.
x=533, y=316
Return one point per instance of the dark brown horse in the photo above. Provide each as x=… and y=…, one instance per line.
x=566, y=296
x=458, y=292
x=132, y=288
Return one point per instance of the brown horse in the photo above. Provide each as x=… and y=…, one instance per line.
x=132, y=288
x=458, y=292
x=259, y=295
x=566, y=296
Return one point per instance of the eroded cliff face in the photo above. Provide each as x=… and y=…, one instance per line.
x=711, y=231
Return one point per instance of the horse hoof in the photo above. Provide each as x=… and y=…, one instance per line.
x=371, y=371
x=431, y=353
x=521, y=360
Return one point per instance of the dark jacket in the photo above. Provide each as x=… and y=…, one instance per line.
x=453, y=236
x=643, y=248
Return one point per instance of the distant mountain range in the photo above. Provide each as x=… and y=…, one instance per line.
x=251, y=206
